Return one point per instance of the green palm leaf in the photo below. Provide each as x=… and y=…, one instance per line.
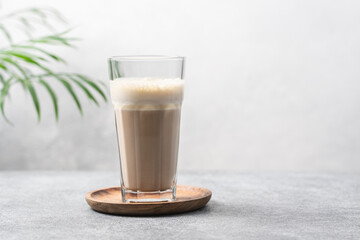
x=6, y=33
x=57, y=39
x=24, y=56
x=86, y=91
x=53, y=97
x=71, y=91
x=3, y=66
x=26, y=62
x=51, y=55
x=93, y=85
x=15, y=64
x=26, y=23
x=4, y=93
x=34, y=97
x=19, y=68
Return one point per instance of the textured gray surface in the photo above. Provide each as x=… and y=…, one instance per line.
x=42, y=205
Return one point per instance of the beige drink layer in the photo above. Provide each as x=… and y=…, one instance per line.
x=148, y=119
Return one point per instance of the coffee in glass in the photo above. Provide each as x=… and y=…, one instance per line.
x=147, y=93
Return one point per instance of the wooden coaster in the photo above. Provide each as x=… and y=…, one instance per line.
x=108, y=200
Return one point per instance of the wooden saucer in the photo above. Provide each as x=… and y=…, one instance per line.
x=108, y=200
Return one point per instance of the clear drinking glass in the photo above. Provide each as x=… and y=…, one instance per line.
x=147, y=93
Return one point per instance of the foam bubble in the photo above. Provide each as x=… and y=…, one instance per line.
x=125, y=91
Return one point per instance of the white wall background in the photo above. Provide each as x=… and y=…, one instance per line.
x=270, y=85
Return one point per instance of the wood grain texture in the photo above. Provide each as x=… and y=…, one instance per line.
x=108, y=200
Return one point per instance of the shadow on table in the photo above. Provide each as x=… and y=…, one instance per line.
x=214, y=208
x=211, y=208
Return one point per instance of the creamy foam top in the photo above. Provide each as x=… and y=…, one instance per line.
x=146, y=91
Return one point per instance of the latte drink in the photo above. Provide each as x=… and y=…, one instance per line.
x=147, y=112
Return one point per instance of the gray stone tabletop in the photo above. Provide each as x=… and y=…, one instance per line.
x=51, y=205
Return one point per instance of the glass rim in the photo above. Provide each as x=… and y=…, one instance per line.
x=146, y=58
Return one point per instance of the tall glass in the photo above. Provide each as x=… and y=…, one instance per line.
x=147, y=93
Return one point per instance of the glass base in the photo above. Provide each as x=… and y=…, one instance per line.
x=156, y=196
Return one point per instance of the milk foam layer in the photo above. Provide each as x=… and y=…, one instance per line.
x=146, y=91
